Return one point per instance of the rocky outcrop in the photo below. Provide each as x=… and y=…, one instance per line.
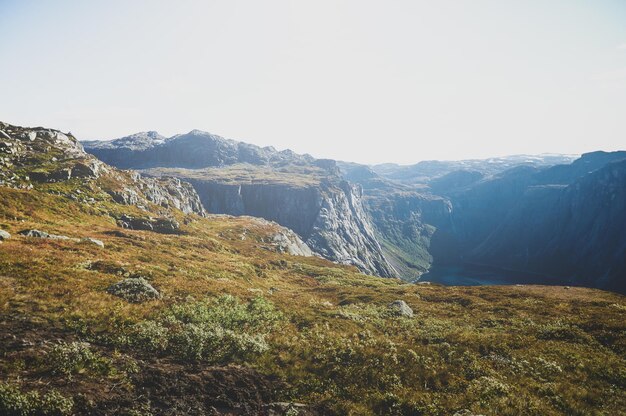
x=134, y=289
x=43, y=234
x=94, y=241
x=158, y=225
x=401, y=308
x=31, y=156
x=167, y=192
x=286, y=241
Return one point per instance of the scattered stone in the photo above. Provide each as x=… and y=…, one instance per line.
x=158, y=225
x=135, y=290
x=43, y=234
x=567, y=287
x=90, y=240
x=400, y=308
x=4, y=235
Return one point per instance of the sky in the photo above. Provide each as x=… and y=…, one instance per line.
x=363, y=81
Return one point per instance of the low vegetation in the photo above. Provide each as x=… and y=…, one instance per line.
x=238, y=327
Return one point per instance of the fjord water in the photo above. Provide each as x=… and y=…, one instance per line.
x=477, y=275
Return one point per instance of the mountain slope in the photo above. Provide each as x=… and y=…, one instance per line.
x=562, y=222
x=574, y=232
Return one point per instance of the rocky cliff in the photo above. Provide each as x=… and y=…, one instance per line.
x=297, y=191
x=31, y=157
x=564, y=222
x=573, y=232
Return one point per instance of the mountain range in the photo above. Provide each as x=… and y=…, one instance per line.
x=558, y=216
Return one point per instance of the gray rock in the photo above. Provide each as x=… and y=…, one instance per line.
x=158, y=225
x=90, y=240
x=135, y=290
x=400, y=308
x=88, y=169
x=43, y=234
x=4, y=235
x=286, y=241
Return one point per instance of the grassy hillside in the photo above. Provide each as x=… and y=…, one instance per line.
x=239, y=326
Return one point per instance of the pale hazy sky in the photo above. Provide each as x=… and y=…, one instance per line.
x=366, y=81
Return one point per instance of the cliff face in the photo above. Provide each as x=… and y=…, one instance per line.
x=565, y=222
x=329, y=217
x=303, y=194
x=574, y=231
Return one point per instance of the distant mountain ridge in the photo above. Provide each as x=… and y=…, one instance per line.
x=194, y=150
x=427, y=170
x=535, y=214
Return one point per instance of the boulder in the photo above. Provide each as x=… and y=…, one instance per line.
x=4, y=235
x=158, y=225
x=400, y=308
x=90, y=240
x=135, y=290
x=89, y=169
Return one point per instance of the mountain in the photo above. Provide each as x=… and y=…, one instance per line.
x=120, y=297
x=304, y=194
x=425, y=171
x=196, y=149
x=563, y=222
x=391, y=220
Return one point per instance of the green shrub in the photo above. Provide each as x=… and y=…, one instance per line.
x=76, y=357
x=486, y=388
x=561, y=331
x=215, y=331
x=15, y=403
